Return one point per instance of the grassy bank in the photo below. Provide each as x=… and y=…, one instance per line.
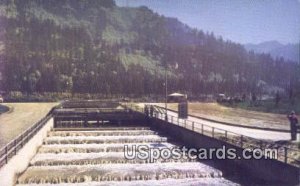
x=22, y=117
x=268, y=106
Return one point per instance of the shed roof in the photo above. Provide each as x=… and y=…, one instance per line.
x=176, y=95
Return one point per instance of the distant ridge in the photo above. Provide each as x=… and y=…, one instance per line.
x=290, y=52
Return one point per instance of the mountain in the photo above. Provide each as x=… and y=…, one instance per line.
x=290, y=52
x=80, y=46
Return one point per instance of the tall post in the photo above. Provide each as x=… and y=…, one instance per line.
x=285, y=155
x=166, y=92
x=15, y=145
x=6, y=154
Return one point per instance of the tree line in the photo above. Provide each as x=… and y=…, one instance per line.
x=62, y=48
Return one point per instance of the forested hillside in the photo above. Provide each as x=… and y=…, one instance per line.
x=91, y=46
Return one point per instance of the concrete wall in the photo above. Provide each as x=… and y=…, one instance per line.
x=19, y=163
x=247, y=171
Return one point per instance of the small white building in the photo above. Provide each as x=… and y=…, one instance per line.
x=177, y=97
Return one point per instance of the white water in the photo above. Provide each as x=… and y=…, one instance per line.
x=151, y=166
x=84, y=173
x=168, y=181
x=107, y=145
x=77, y=156
x=89, y=148
x=101, y=133
x=57, y=138
x=103, y=139
x=90, y=158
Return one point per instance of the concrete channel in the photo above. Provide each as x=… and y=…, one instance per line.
x=83, y=143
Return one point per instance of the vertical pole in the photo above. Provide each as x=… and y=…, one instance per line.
x=202, y=129
x=213, y=132
x=166, y=92
x=151, y=111
x=6, y=154
x=226, y=135
x=241, y=141
x=193, y=125
x=260, y=144
x=15, y=145
x=285, y=154
x=22, y=137
x=54, y=121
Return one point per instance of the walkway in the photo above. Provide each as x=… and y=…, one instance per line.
x=254, y=133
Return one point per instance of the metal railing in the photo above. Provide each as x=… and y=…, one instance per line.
x=11, y=149
x=89, y=104
x=285, y=154
x=63, y=111
x=133, y=107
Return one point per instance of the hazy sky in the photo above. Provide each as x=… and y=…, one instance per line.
x=244, y=21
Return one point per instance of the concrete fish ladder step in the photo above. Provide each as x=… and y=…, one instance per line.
x=102, y=133
x=168, y=181
x=102, y=128
x=94, y=159
x=117, y=172
x=104, y=139
x=90, y=148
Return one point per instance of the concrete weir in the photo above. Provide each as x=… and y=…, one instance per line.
x=78, y=156
x=84, y=144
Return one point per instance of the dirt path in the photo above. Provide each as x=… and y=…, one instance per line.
x=237, y=116
x=214, y=111
x=22, y=116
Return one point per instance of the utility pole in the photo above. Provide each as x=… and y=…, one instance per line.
x=166, y=93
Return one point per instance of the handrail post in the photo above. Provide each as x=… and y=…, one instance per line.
x=15, y=144
x=285, y=154
x=213, y=132
x=6, y=154
x=22, y=137
x=260, y=144
x=241, y=139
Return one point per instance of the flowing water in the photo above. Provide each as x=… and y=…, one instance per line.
x=96, y=157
